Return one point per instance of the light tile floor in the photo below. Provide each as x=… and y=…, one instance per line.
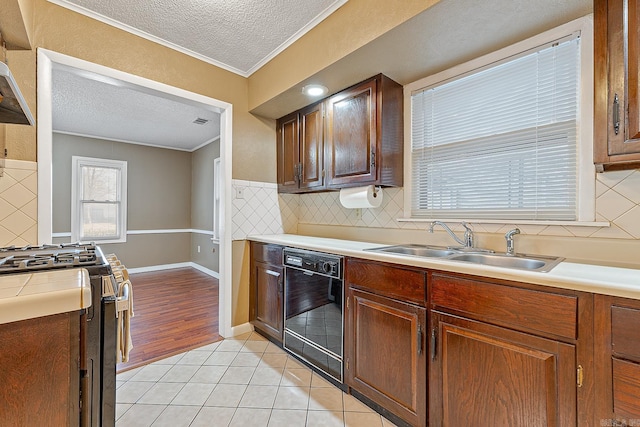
x=244, y=381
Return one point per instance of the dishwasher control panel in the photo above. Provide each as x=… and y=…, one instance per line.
x=314, y=262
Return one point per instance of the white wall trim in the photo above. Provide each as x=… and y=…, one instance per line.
x=241, y=329
x=173, y=266
x=46, y=61
x=114, y=23
x=158, y=231
x=20, y=164
x=126, y=141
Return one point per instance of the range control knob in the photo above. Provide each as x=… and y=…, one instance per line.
x=328, y=266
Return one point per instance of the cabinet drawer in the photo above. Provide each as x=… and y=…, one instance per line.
x=625, y=332
x=384, y=279
x=512, y=307
x=262, y=252
x=626, y=389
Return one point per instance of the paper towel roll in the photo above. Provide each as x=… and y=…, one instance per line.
x=361, y=197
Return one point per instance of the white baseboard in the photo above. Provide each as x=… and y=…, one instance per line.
x=172, y=266
x=241, y=329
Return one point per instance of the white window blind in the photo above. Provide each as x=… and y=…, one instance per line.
x=501, y=142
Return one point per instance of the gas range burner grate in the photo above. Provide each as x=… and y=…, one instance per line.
x=45, y=257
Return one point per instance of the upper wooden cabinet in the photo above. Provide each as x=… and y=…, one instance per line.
x=300, y=150
x=352, y=138
x=364, y=135
x=617, y=84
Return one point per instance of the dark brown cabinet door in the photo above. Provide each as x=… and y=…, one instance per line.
x=617, y=83
x=288, y=141
x=311, y=147
x=352, y=135
x=266, y=289
x=486, y=375
x=39, y=371
x=268, y=314
x=617, y=361
x=385, y=354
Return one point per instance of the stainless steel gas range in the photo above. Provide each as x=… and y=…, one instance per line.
x=98, y=322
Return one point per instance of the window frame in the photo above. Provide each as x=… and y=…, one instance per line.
x=586, y=170
x=77, y=162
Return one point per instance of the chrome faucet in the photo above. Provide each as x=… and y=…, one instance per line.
x=468, y=233
x=511, y=249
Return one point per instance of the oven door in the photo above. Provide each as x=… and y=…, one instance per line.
x=313, y=324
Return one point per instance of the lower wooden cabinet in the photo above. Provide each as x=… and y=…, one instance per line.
x=385, y=354
x=506, y=353
x=617, y=350
x=266, y=289
x=481, y=374
x=385, y=349
x=39, y=371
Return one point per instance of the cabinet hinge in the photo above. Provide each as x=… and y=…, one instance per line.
x=347, y=364
x=580, y=375
x=373, y=159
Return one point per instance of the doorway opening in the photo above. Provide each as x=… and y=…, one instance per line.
x=48, y=63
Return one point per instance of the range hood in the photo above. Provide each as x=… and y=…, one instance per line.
x=13, y=107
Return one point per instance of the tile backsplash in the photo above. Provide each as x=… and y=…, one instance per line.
x=19, y=204
x=258, y=209
x=617, y=201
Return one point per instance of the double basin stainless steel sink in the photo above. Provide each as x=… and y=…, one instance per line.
x=537, y=263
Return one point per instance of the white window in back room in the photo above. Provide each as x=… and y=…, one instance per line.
x=99, y=196
x=503, y=140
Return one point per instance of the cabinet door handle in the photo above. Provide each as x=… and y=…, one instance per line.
x=419, y=340
x=616, y=114
x=273, y=273
x=296, y=173
x=373, y=159
x=434, y=343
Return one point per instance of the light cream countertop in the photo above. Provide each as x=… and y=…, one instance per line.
x=29, y=295
x=622, y=282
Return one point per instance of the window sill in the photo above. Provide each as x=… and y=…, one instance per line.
x=515, y=221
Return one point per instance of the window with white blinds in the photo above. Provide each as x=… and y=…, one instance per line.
x=501, y=142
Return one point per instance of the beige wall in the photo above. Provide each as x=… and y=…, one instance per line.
x=202, y=184
x=61, y=30
x=352, y=26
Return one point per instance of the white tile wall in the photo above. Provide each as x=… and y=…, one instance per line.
x=617, y=201
x=259, y=209
x=19, y=204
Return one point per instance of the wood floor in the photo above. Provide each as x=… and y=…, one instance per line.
x=174, y=311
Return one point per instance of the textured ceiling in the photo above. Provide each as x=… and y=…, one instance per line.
x=238, y=35
x=92, y=105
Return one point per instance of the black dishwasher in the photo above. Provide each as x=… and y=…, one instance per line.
x=313, y=309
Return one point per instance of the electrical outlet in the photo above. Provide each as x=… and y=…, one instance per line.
x=239, y=192
x=358, y=213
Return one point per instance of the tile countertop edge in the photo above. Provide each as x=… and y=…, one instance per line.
x=76, y=296
x=614, y=281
